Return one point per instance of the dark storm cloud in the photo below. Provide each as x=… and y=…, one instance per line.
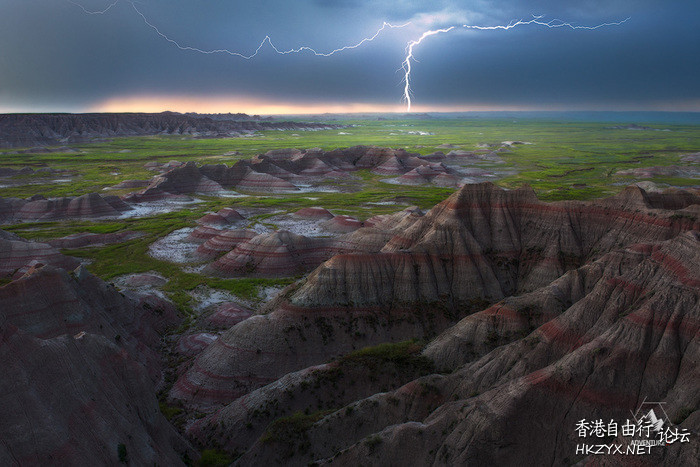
x=55, y=56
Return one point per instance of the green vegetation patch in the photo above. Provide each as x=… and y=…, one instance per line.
x=286, y=427
x=214, y=458
x=404, y=355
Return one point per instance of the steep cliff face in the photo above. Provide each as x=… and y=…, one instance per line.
x=487, y=243
x=481, y=245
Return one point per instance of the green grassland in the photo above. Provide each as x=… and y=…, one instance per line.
x=549, y=164
x=564, y=161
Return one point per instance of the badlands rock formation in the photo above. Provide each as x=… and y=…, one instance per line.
x=222, y=218
x=277, y=254
x=546, y=313
x=283, y=253
x=79, y=373
x=39, y=208
x=477, y=333
x=593, y=344
x=92, y=239
x=215, y=224
x=26, y=130
x=17, y=256
x=315, y=213
x=286, y=169
x=665, y=171
x=226, y=315
x=223, y=241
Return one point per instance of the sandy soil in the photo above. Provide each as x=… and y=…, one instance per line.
x=174, y=247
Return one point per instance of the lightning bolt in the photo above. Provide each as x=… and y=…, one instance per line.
x=97, y=12
x=266, y=40
x=406, y=65
x=555, y=23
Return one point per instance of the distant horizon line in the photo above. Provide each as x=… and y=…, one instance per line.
x=260, y=105
x=356, y=112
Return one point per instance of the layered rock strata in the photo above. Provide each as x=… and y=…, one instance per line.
x=481, y=245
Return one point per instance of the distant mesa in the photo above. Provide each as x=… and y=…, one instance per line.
x=32, y=130
x=237, y=117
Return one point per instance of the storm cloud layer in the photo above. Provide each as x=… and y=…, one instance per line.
x=57, y=57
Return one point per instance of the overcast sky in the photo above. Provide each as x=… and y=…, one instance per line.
x=56, y=57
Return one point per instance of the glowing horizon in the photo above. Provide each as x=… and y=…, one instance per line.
x=261, y=106
x=265, y=106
